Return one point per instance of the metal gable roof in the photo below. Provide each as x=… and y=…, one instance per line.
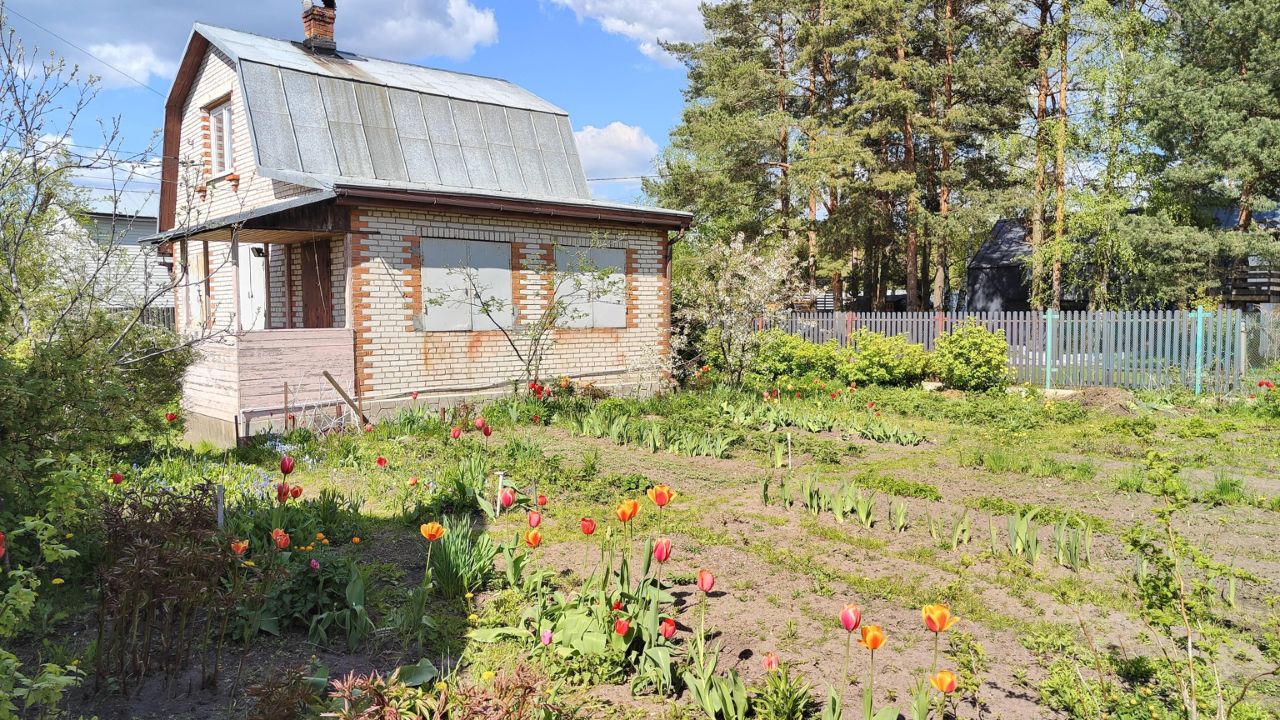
x=323, y=120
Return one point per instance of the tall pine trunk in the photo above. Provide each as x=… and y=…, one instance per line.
x=1060, y=171
x=1037, y=206
x=909, y=164
x=944, y=164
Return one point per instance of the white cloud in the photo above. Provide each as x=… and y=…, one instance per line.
x=409, y=28
x=135, y=59
x=146, y=38
x=616, y=150
x=644, y=22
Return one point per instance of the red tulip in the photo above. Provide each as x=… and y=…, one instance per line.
x=588, y=526
x=877, y=413
x=368, y=427
x=1, y=545
x=414, y=394
x=542, y=501
x=850, y=617
x=295, y=492
x=706, y=581
x=617, y=605
x=535, y=420
x=170, y=417
x=116, y=478
x=507, y=497
x=282, y=492
x=662, y=550
x=480, y=423
x=281, y=538
x=770, y=662
x=797, y=393
x=667, y=627
x=871, y=406
x=621, y=626
x=833, y=396
x=535, y=518
x=487, y=431
x=287, y=464
x=239, y=547
x=381, y=461
x=455, y=433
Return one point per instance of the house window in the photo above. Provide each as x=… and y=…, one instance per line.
x=220, y=138
x=466, y=285
x=592, y=284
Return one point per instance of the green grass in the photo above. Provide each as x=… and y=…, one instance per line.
x=1037, y=466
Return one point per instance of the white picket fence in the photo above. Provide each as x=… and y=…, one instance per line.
x=1133, y=349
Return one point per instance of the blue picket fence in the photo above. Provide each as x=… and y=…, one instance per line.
x=1155, y=349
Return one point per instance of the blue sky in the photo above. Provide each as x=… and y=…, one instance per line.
x=598, y=59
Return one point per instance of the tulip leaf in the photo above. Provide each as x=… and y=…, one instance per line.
x=488, y=635
x=420, y=673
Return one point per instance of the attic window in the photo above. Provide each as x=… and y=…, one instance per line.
x=220, y=138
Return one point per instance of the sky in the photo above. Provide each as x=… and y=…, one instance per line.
x=598, y=59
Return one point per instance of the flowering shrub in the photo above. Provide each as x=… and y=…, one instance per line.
x=783, y=356
x=887, y=360
x=971, y=357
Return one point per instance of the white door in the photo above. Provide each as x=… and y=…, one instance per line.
x=253, y=287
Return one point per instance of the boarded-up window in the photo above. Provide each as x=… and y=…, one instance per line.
x=466, y=285
x=593, y=287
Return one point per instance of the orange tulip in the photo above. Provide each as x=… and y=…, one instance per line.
x=533, y=538
x=281, y=538
x=239, y=547
x=627, y=509
x=432, y=531
x=873, y=637
x=938, y=618
x=661, y=495
x=944, y=681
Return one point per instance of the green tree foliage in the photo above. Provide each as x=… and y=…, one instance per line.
x=1212, y=105
x=860, y=129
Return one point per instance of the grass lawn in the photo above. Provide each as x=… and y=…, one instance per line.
x=889, y=499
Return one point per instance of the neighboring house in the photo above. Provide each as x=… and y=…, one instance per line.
x=997, y=274
x=318, y=203
x=102, y=246
x=1251, y=283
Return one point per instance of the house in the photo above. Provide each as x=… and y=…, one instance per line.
x=100, y=248
x=320, y=206
x=997, y=276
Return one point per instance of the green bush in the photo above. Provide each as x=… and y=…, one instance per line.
x=971, y=357
x=886, y=360
x=783, y=355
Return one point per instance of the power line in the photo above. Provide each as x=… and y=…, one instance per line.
x=86, y=52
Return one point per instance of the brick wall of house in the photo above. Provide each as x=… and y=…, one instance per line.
x=393, y=358
x=276, y=280
x=201, y=196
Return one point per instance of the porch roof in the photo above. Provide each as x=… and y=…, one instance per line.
x=211, y=228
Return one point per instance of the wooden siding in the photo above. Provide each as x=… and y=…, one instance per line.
x=270, y=358
x=210, y=385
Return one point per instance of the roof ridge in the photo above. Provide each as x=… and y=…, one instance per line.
x=340, y=52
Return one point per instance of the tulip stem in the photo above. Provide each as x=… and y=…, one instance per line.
x=847, y=642
x=935, y=652
x=871, y=677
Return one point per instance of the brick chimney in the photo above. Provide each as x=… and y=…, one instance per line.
x=317, y=25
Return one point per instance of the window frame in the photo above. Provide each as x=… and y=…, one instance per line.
x=595, y=307
x=221, y=153
x=462, y=250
